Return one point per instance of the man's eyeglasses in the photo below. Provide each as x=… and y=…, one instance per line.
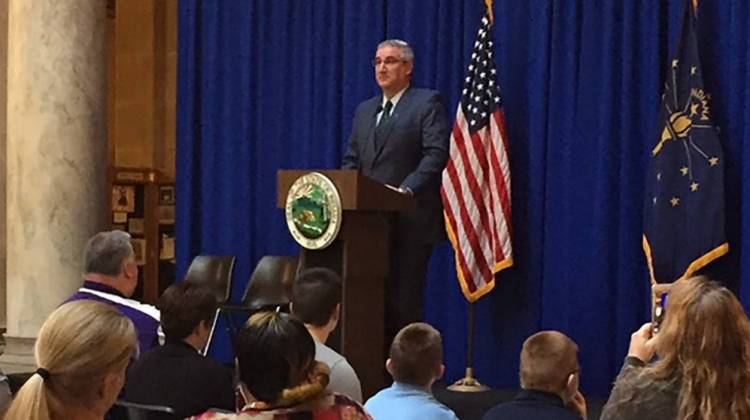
x=389, y=61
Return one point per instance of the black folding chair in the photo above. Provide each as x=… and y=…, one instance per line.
x=269, y=288
x=214, y=272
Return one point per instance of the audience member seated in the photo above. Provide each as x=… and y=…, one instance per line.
x=703, y=368
x=111, y=276
x=279, y=377
x=316, y=301
x=176, y=375
x=82, y=352
x=549, y=382
x=415, y=363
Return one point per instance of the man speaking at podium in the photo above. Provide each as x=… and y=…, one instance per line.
x=400, y=138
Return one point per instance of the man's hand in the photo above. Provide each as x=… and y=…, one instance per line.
x=642, y=344
x=578, y=404
x=406, y=190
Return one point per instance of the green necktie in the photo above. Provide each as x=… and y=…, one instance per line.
x=386, y=113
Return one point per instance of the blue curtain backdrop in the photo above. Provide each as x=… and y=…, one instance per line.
x=265, y=85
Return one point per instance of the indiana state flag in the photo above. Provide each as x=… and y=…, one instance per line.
x=684, y=203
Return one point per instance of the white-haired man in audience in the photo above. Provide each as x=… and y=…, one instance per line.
x=111, y=276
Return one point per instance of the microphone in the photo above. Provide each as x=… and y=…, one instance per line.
x=378, y=109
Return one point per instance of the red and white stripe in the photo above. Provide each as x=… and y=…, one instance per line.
x=476, y=197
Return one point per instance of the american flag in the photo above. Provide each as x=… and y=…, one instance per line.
x=476, y=181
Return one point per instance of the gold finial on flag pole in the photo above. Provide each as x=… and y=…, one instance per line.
x=492, y=15
x=695, y=5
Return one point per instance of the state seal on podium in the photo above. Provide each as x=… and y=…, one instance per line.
x=313, y=211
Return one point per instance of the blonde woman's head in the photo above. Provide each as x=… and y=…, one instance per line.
x=83, y=350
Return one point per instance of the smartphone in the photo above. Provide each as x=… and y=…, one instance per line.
x=659, y=298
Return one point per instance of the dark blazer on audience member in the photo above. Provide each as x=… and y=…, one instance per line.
x=177, y=376
x=532, y=405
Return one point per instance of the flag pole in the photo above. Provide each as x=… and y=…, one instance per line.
x=488, y=3
x=469, y=383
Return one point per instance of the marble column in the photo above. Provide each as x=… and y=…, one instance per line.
x=3, y=142
x=56, y=158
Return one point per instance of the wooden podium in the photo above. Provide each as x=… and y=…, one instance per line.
x=360, y=255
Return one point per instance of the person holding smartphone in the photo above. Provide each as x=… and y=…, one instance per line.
x=703, y=368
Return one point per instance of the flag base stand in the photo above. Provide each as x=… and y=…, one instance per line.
x=468, y=383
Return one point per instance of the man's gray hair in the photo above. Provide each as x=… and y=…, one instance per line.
x=106, y=251
x=406, y=52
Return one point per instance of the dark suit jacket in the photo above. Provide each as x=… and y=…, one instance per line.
x=532, y=405
x=411, y=152
x=177, y=376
